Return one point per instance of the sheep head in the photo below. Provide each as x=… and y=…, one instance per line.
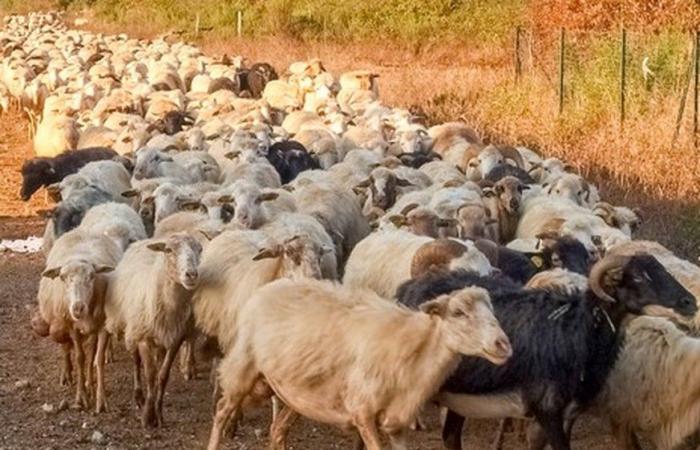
x=78, y=278
x=182, y=253
x=641, y=285
x=469, y=324
x=300, y=257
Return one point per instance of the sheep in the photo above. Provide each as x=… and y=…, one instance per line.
x=385, y=259
x=70, y=212
x=71, y=295
x=116, y=221
x=384, y=187
x=290, y=158
x=620, y=217
x=441, y=172
x=420, y=221
x=38, y=172
x=687, y=273
x=543, y=214
x=551, y=252
x=55, y=135
x=338, y=212
x=657, y=366
x=569, y=363
x=276, y=318
x=110, y=177
x=151, y=163
x=261, y=173
x=558, y=280
x=168, y=198
x=572, y=187
x=504, y=201
x=504, y=170
x=253, y=206
x=255, y=80
x=148, y=299
x=287, y=225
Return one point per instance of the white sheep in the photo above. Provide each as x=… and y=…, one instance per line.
x=338, y=381
x=385, y=259
x=149, y=300
x=653, y=389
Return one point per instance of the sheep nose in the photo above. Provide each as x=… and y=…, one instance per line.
x=689, y=303
x=514, y=204
x=503, y=346
x=78, y=310
x=191, y=274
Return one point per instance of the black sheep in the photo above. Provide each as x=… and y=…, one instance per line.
x=505, y=170
x=70, y=212
x=564, y=345
x=40, y=172
x=255, y=79
x=224, y=83
x=415, y=160
x=290, y=158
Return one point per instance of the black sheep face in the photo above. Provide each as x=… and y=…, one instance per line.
x=66, y=218
x=568, y=253
x=35, y=173
x=644, y=282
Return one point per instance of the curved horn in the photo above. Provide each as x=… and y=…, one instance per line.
x=600, y=269
x=514, y=155
x=435, y=255
x=408, y=208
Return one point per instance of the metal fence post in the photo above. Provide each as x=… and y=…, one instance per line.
x=695, y=88
x=518, y=62
x=196, y=26
x=239, y=23
x=561, y=71
x=623, y=75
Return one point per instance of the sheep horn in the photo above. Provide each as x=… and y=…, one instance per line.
x=408, y=208
x=600, y=269
x=514, y=155
x=435, y=255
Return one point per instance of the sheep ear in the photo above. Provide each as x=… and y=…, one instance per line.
x=51, y=273
x=408, y=208
x=443, y=223
x=488, y=192
x=569, y=168
x=157, y=247
x=190, y=205
x=130, y=193
x=232, y=155
x=46, y=213
x=267, y=253
x=225, y=199
x=207, y=234
x=103, y=269
x=325, y=250
x=452, y=183
x=288, y=188
x=148, y=200
x=402, y=182
x=363, y=184
x=436, y=307
x=52, y=171
x=397, y=220
x=267, y=196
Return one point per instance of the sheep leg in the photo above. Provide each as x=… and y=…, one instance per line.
x=80, y=394
x=367, y=427
x=280, y=427
x=500, y=433
x=225, y=409
x=65, y=378
x=138, y=388
x=187, y=359
x=553, y=424
x=148, y=355
x=452, y=431
x=100, y=397
x=89, y=367
x=163, y=376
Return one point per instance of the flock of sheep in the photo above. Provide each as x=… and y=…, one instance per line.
x=332, y=254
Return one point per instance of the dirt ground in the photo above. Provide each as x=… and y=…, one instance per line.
x=188, y=406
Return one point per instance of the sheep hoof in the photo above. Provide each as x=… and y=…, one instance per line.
x=65, y=378
x=149, y=419
x=138, y=398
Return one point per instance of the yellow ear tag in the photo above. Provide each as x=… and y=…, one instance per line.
x=537, y=261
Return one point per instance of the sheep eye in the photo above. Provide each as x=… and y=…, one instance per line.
x=460, y=314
